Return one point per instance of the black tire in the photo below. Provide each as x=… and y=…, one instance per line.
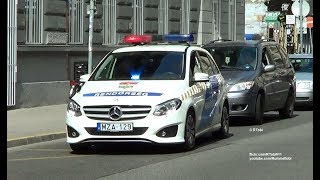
x=79, y=148
x=225, y=122
x=287, y=111
x=259, y=110
x=189, y=133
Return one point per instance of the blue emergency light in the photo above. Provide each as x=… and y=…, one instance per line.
x=178, y=38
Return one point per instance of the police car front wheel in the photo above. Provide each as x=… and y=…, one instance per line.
x=224, y=130
x=189, y=134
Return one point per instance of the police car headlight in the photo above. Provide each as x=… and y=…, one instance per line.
x=74, y=108
x=305, y=85
x=167, y=107
x=242, y=86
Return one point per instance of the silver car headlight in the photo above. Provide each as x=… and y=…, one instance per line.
x=241, y=86
x=305, y=85
x=74, y=108
x=167, y=107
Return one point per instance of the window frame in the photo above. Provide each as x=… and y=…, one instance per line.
x=76, y=21
x=34, y=22
x=138, y=17
x=216, y=19
x=109, y=22
x=163, y=20
x=185, y=17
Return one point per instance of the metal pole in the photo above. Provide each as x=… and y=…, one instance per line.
x=90, y=36
x=301, y=28
x=311, y=42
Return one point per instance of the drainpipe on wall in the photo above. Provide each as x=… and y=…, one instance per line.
x=92, y=2
x=199, y=35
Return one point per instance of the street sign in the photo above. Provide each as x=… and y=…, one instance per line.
x=304, y=23
x=310, y=22
x=272, y=16
x=290, y=19
x=285, y=6
x=295, y=8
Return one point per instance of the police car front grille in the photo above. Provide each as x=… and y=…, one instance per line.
x=134, y=112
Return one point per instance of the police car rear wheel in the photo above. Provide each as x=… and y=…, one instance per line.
x=224, y=130
x=189, y=134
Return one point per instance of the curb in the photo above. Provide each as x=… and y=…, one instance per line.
x=35, y=139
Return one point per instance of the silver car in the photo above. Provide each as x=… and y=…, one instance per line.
x=303, y=65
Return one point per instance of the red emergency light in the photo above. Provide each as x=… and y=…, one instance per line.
x=137, y=39
x=145, y=39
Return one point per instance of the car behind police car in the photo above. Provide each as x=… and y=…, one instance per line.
x=165, y=94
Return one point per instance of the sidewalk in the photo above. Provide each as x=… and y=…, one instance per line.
x=38, y=124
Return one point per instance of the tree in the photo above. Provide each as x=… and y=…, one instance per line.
x=275, y=5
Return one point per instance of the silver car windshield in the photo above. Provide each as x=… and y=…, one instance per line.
x=147, y=65
x=302, y=64
x=235, y=58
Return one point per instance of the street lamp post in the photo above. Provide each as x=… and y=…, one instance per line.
x=90, y=36
x=301, y=27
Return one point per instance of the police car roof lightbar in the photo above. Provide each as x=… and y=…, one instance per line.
x=144, y=39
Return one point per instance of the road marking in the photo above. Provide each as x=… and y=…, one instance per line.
x=26, y=137
x=48, y=149
x=44, y=158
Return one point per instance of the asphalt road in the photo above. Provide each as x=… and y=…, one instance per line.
x=278, y=149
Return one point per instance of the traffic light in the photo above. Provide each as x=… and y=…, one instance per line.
x=282, y=17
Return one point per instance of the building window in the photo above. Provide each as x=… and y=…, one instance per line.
x=76, y=21
x=109, y=22
x=163, y=17
x=138, y=16
x=232, y=19
x=34, y=21
x=216, y=23
x=185, y=16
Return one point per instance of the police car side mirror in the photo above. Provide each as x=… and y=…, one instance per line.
x=200, y=77
x=269, y=68
x=84, y=78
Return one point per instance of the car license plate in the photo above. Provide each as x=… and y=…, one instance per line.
x=114, y=127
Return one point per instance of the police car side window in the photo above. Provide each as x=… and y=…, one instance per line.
x=214, y=65
x=103, y=69
x=194, y=64
x=265, y=57
x=205, y=63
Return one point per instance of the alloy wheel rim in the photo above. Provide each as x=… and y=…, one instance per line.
x=226, y=121
x=190, y=130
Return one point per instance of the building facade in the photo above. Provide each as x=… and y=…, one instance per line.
x=52, y=37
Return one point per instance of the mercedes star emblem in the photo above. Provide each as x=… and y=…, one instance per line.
x=115, y=113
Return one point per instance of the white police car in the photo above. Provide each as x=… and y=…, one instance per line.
x=164, y=93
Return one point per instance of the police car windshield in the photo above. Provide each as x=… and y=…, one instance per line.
x=235, y=58
x=146, y=65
